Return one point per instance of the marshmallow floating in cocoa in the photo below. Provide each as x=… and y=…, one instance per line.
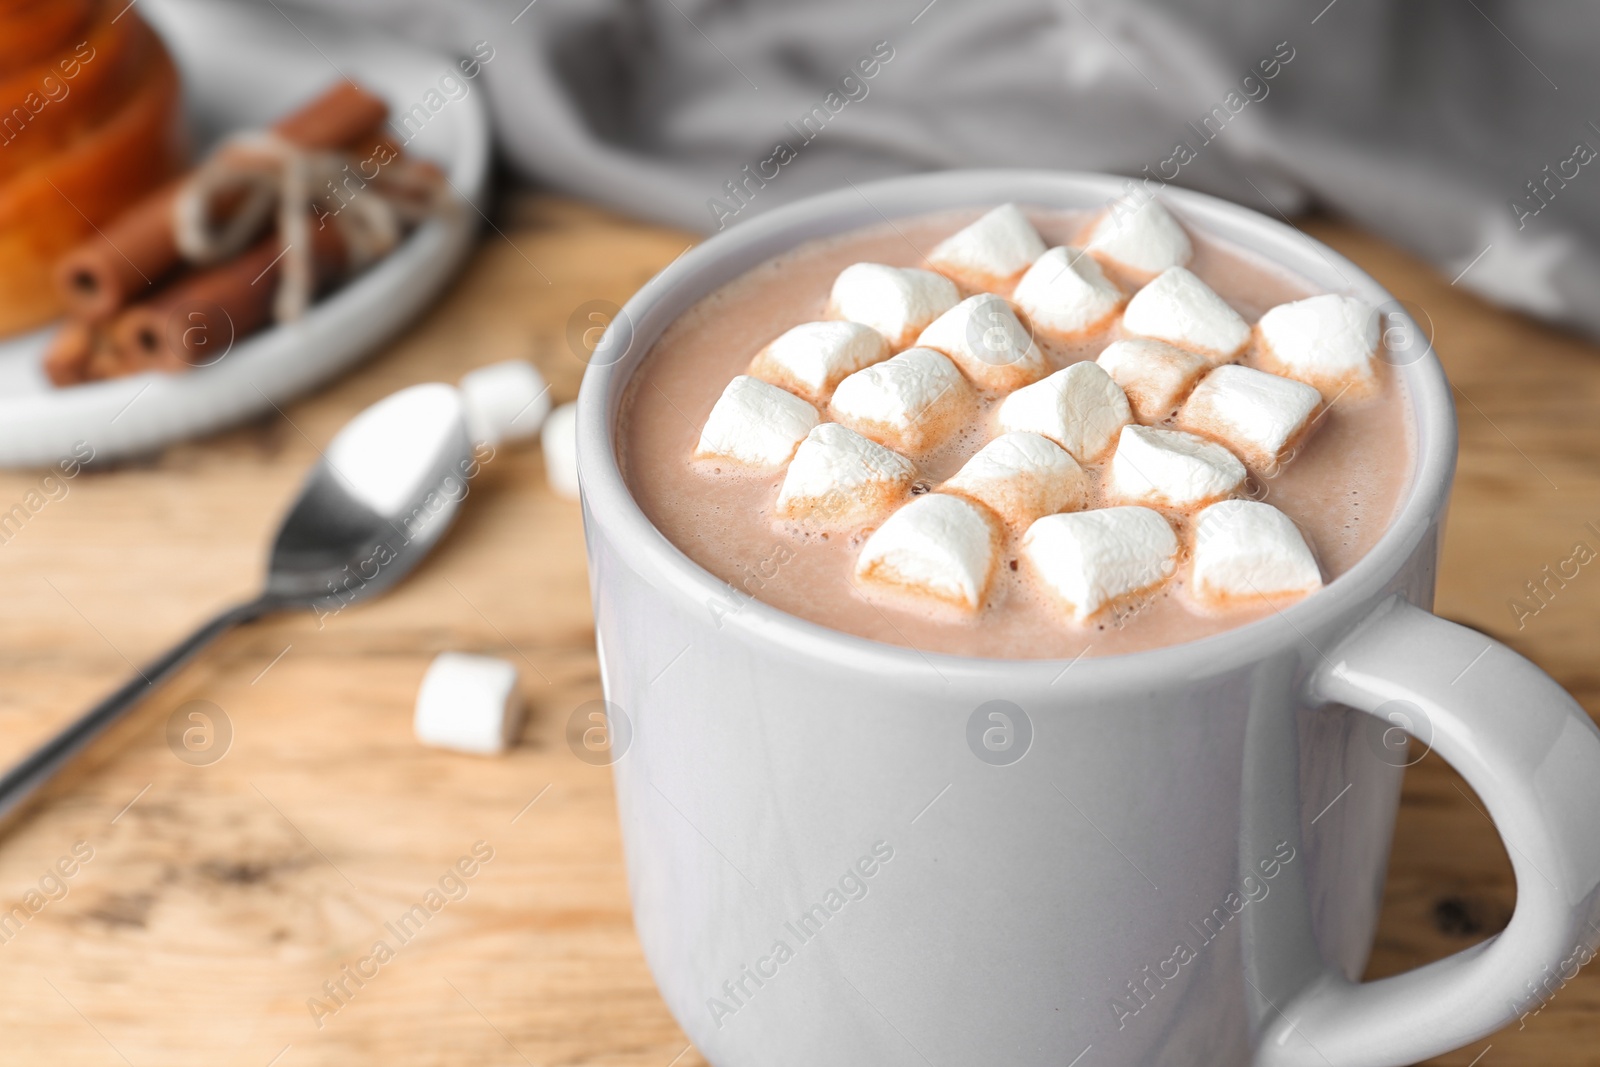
x=1079, y=408
x=755, y=424
x=984, y=337
x=1328, y=341
x=898, y=302
x=841, y=480
x=1155, y=376
x=1172, y=469
x=938, y=546
x=1258, y=415
x=1066, y=294
x=910, y=402
x=814, y=357
x=1245, y=550
x=1139, y=235
x=1088, y=560
x=1020, y=477
x=991, y=252
x=1182, y=310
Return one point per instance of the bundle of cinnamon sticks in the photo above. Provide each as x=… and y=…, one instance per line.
x=249, y=237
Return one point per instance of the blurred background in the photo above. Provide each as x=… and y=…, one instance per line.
x=165, y=385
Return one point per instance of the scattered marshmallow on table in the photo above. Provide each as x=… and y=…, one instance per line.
x=1090, y=559
x=469, y=704
x=558, y=438
x=1066, y=294
x=990, y=252
x=1079, y=408
x=840, y=479
x=1173, y=469
x=814, y=357
x=755, y=424
x=504, y=401
x=1182, y=310
x=1258, y=415
x=898, y=302
x=1328, y=341
x=910, y=402
x=1245, y=549
x=1021, y=476
x=1155, y=376
x=1139, y=235
x=988, y=342
x=937, y=546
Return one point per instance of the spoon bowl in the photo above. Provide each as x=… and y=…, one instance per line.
x=387, y=489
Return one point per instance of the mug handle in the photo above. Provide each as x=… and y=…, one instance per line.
x=1533, y=756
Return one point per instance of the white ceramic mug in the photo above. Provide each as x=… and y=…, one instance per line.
x=842, y=852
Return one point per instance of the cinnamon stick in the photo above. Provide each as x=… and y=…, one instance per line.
x=197, y=320
x=333, y=119
x=66, y=362
x=139, y=249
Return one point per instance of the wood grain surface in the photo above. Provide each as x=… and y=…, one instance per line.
x=219, y=898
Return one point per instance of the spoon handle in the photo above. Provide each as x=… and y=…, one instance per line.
x=29, y=775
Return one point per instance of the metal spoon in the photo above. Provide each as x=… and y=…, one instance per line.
x=386, y=490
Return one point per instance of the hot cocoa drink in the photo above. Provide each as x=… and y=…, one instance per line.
x=1020, y=433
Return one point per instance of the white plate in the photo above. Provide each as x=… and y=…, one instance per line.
x=244, y=65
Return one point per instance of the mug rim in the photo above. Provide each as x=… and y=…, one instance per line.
x=609, y=505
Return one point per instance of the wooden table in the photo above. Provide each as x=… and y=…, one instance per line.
x=220, y=898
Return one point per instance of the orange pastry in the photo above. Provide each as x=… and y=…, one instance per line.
x=82, y=146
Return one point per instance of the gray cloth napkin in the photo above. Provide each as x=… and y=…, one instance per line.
x=1465, y=131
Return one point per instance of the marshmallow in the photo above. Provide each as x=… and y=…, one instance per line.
x=991, y=251
x=840, y=479
x=1328, y=341
x=937, y=546
x=755, y=424
x=910, y=402
x=812, y=358
x=1155, y=375
x=1247, y=549
x=1259, y=415
x=1079, y=408
x=1066, y=294
x=898, y=302
x=558, y=438
x=1140, y=236
x=1090, y=559
x=987, y=341
x=1021, y=476
x=469, y=704
x=504, y=401
x=1169, y=468
x=1182, y=310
